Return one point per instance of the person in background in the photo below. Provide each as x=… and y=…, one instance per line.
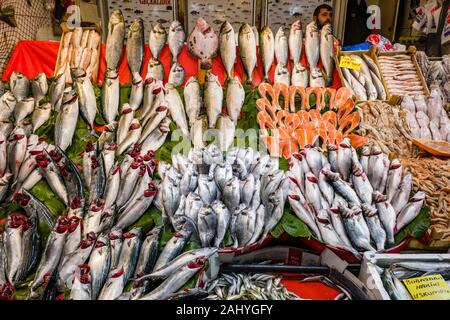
x=356, y=30
x=323, y=15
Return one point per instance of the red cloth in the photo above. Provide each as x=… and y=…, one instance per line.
x=34, y=57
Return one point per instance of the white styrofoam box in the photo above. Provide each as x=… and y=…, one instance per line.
x=370, y=276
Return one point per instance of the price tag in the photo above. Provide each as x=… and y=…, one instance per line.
x=428, y=288
x=350, y=63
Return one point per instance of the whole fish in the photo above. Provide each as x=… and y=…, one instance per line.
x=130, y=252
x=73, y=238
x=316, y=79
x=312, y=45
x=114, y=285
x=13, y=242
x=207, y=226
x=98, y=181
x=222, y=174
x=110, y=96
x=247, y=50
x=377, y=232
x=223, y=217
x=410, y=211
x=314, y=160
x=50, y=258
x=19, y=85
x=376, y=167
x=176, y=108
x=361, y=184
x=203, y=43
x=137, y=208
x=157, y=138
x=41, y=115
x=124, y=123
x=235, y=98
x=17, y=148
x=226, y=132
x=7, y=105
x=86, y=94
x=33, y=206
x=281, y=47
x=149, y=252
x=267, y=50
x=227, y=46
x=243, y=226
x=23, y=109
x=387, y=217
x=394, y=179
x=81, y=288
x=173, y=248
x=39, y=87
x=155, y=70
x=3, y=154
x=192, y=100
x=176, y=39
x=327, y=52
x=275, y=207
x=116, y=243
x=213, y=98
x=207, y=188
x=137, y=92
x=153, y=97
x=296, y=42
x=171, y=194
x=300, y=76
x=282, y=75
x=99, y=263
x=176, y=75
x=403, y=192
x=354, y=230
x=231, y=194
x=90, y=154
x=135, y=48
x=56, y=92
x=381, y=92
x=131, y=138
x=176, y=281
x=326, y=189
x=108, y=156
x=189, y=182
x=342, y=187
x=115, y=40
x=157, y=40
x=5, y=181
x=129, y=181
x=153, y=121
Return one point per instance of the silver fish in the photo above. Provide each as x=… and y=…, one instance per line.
x=110, y=96
x=41, y=115
x=223, y=222
x=203, y=43
x=13, y=244
x=20, y=85
x=342, y=187
x=99, y=263
x=364, y=160
x=137, y=92
x=235, y=98
x=157, y=40
x=361, y=184
x=157, y=138
x=227, y=47
x=155, y=70
x=131, y=138
x=376, y=229
x=327, y=52
x=176, y=75
x=39, y=87
x=300, y=76
x=296, y=42
x=387, y=217
x=247, y=50
x=124, y=123
x=207, y=189
x=173, y=248
x=23, y=109
x=73, y=238
x=192, y=100
x=243, y=226
x=149, y=252
x=394, y=179
x=326, y=189
x=312, y=44
x=115, y=40
x=259, y=224
x=222, y=174
x=17, y=148
x=85, y=91
x=176, y=281
x=207, y=226
x=81, y=288
x=402, y=196
x=282, y=75
x=410, y=211
x=5, y=181
x=226, y=132
x=213, y=98
x=7, y=105
x=176, y=108
x=281, y=47
x=353, y=227
x=316, y=79
x=176, y=39
x=231, y=194
x=267, y=50
x=114, y=285
x=130, y=252
x=135, y=48
x=116, y=242
x=275, y=207
x=56, y=92
x=189, y=182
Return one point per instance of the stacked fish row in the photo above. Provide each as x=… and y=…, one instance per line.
x=79, y=49
x=401, y=75
x=357, y=204
x=426, y=117
x=436, y=73
x=242, y=192
x=365, y=84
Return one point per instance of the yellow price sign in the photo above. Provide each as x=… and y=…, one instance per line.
x=350, y=63
x=428, y=288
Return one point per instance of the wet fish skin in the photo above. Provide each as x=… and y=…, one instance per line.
x=149, y=252
x=377, y=232
x=193, y=100
x=247, y=50
x=296, y=42
x=176, y=75
x=354, y=230
x=86, y=95
x=114, y=285
x=177, y=109
x=81, y=288
x=56, y=92
x=155, y=70
x=327, y=52
x=39, y=88
x=23, y=108
x=175, y=39
x=207, y=225
x=227, y=47
x=20, y=85
x=127, y=116
x=41, y=115
x=115, y=40
x=213, y=98
x=99, y=263
x=361, y=184
x=17, y=148
x=394, y=179
x=282, y=75
x=189, y=182
x=226, y=132
x=7, y=105
x=130, y=252
x=173, y=248
x=387, y=217
x=231, y=194
x=157, y=40
x=4, y=184
x=281, y=47
x=410, y=211
x=316, y=79
x=267, y=50
x=223, y=221
x=312, y=44
x=207, y=188
x=342, y=187
x=116, y=243
x=235, y=98
x=402, y=196
x=300, y=76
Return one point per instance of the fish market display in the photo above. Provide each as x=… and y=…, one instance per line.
x=80, y=48
x=242, y=193
x=203, y=43
x=401, y=75
x=365, y=84
x=436, y=73
x=426, y=117
x=295, y=125
x=431, y=175
x=350, y=202
x=387, y=126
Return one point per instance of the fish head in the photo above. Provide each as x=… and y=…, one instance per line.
x=77, y=73
x=245, y=29
x=83, y=273
x=135, y=125
x=134, y=233
x=126, y=109
x=21, y=199
x=202, y=25
x=137, y=25
x=197, y=263
x=116, y=17
x=366, y=150
x=368, y=210
x=267, y=33
x=376, y=150
x=395, y=165
x=226, y=28
x=379, y=197
x=16, y=220
x=418, y=197
x=115, y=235
x=176, y=26
x=297, y=25
x=62, y=224
x=117, y=273
x=74, y=223
x=159, y=28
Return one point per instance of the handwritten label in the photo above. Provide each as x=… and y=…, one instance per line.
x=350, y=63
x=428, y=288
